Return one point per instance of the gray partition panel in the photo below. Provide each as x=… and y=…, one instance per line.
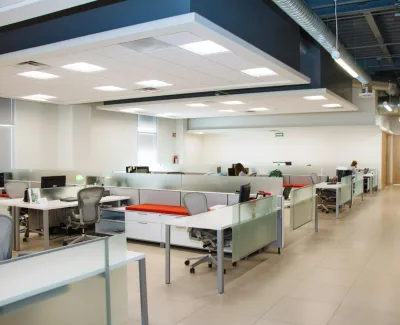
x=163, y=197
x=286, y=179
x=148, y=181
x=233, y=199
x=58, y=193
x=302, y=179
x=212, y=198
x=126, y=191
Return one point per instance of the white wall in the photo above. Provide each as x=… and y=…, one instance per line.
x=166, y=143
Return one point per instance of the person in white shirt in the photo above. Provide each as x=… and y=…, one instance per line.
x=353, y=167
x=239, y=170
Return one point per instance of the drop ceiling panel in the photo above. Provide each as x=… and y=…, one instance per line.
x=186, y=71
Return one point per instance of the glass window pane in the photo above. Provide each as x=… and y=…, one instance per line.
x=147, y=124
x=6, y=116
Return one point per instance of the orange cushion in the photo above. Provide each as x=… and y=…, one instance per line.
x=158, y=208
x=296, y=185
x=4, y=195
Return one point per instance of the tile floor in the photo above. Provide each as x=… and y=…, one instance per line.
x=346, y=274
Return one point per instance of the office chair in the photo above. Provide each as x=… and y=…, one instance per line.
x=16, y=190
x=5, y=237
x=196, y=203
x=89, y=214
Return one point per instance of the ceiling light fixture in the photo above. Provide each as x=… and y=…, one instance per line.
x=199, y=132
x=259, y=109
x=259, y=72
x=6, y=126
x=109, y=88
x=131, y=110
x=387, y=106
x=332, y=105
x=227, y=111
x=153, y=83
x=167, y=115
x=39, y=97
x=316, y=97
x=197, y=105
x=204, y=48
x=232, y=102
x=336, y=55
x=83, y=67
x=38, y=75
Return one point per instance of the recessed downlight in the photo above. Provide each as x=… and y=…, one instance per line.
x=204, y=48
x=132, y=110
x=38, y=75
x=259, y=109
x=316, y=97
x=332, y=105
x=170, y=115
x=39, y=97
x=83, y=67
x=259, y=72
x=232, y=102
x=197, y=105
x=153, y=83
x=227, y=111
x=109, y=88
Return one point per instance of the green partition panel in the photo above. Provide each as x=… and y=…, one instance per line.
x=254, y=226
x=358, y=184
x=375, y=177
x=302, y=206
x=345, y=191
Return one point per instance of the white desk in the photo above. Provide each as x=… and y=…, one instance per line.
x=369, y=177
x=335, y=187
x=17, y=204
x=15, y=289
x=217, y=220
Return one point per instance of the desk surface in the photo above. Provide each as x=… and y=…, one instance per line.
x=14, y=289
x=325, y=185
x=369, y=175
x=56, y=204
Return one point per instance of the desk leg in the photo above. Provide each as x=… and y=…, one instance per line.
x=370, y=186
x=362, y=194
x=167, y=254
x=46, y=235
x=316, y=214
x=17, y=238
x=118, y=204
x=279, y=220
x=220, y=258
x=337, y=203
x=143, y=292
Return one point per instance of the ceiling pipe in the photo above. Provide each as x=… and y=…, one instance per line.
x=390, y=88
x=303, y=15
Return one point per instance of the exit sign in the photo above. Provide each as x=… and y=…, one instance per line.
x=279, y=134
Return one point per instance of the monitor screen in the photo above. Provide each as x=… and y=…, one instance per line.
x=342, y=173
x=244, y=195
x=231, y=171
x=53, y=181
x=142, y=170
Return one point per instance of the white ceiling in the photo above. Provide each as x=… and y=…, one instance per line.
x=14, y=11
x=281, y=102
x=187, y=72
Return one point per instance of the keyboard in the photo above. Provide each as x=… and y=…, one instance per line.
x=69, y=199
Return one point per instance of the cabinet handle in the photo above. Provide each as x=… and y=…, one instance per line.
x=142, y=223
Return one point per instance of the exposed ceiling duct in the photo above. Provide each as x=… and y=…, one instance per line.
x=390, y=88
x=389, y=106
x=303, y=15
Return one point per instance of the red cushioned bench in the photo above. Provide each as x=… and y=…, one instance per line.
x=158, y=208
x=296, y=185
x=4, y=195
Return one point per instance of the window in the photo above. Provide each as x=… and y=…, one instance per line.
x=6, y=133
x=147, y=140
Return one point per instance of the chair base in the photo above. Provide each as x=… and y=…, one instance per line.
x=209, y=258
x=78, y=239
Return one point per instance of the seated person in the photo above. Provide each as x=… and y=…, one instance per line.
x=240, y=170
x=353, y=167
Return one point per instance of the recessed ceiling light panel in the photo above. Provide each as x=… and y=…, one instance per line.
x=170, y=115
x=153, y=83
x=109, y=88
x=38, y=75
x=227, y=111
x=39, y=97
x=204, y=48
x=83, y=67
x=197, y=105
x=232, y=102
x=332, y=105
x=259, y=72
x=131, y=110
x=259, y=109
x=316, y=97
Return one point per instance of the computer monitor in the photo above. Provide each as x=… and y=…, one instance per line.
x=53, y=181
x=286, y=192
x=219, y=169
x=92, y=180
x=244, y=194
x=231, y=172
x=142, y=170
x=342, y=173
x=1, y=179
x=129, y=169
x=366, y=170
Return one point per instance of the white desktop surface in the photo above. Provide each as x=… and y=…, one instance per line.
x=369, y=175
x=14, y=289
x=219, y=219
x=56, y=204
x=325, y=185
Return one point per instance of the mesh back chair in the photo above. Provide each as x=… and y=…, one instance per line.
x=5, y=237
x=323, y=195
x=89, y=213
x=16, y=190
x=196, y=203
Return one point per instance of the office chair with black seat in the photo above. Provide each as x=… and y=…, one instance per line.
x=89, y=214
x=321, y=205
x=196, y=203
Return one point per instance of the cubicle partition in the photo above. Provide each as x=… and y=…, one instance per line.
x=358, y=184
x=302, y=206
x=254, y=226
x=346, y=190
x=81, y=284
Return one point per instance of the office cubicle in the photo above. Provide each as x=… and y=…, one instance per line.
x=302, y=206
x=358, y=184
x=346, y=190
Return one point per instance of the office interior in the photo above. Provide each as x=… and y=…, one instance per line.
x=149, y=108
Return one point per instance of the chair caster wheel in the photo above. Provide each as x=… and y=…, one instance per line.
x=192, y=271
x=234, y=264
x=25, y=240
x=187, y=262
x=224, y=271
x=64, y=243
x=327, y=212
x=210, y=265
